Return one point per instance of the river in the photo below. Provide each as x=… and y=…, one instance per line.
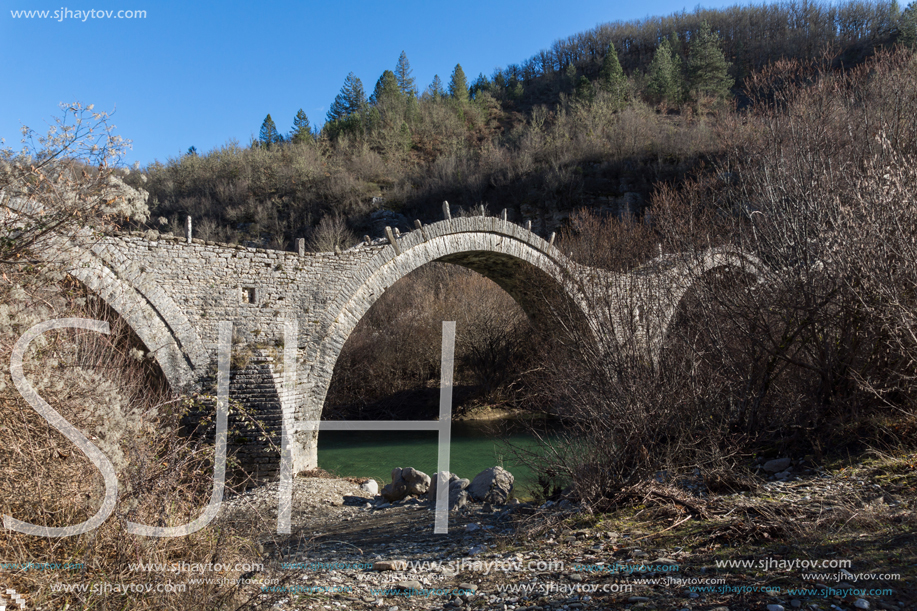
x=476, y=445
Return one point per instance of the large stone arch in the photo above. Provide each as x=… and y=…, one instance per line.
x=149, y=311
x=516, y=259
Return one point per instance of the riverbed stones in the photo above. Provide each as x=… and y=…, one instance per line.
x=777, y=465
x=458, y=499
x=417, y=482
x=494, y=486
x=455, y=482
x=406, y=482
x=458, y=495
x=390, y=565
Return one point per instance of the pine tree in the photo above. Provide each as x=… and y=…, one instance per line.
x=458, y=84
x=349, y=101
x=386, y=88
x=676, y=47
x=907, y=26
x=436, y=88
x=664, y=76
x=584, y=90
x=269, y=134
x=515, y=90
x=708, y=70
x=403, y=75
x=302, y=131
x=611, y=75
x=570, y=75
x=480, y=85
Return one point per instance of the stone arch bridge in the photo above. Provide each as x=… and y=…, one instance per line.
x=173, y=292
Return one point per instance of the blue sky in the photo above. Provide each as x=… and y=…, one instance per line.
x=195, y=74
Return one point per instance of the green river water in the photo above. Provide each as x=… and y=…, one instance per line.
x=476, y=445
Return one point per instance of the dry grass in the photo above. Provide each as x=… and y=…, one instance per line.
x=105, y=388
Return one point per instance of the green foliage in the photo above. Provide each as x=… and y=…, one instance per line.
x=387, y=88
x=436, y=90
x=458, y=84
x=570, y=76
x=708, y=70
x=907, y=26
x=403, y=75
x=584, y=89
x=302, y=131
x=480, y=85
x=515, y=90
x=664, y=80
x=611, y=75
x=269, y=134
x=350, y=101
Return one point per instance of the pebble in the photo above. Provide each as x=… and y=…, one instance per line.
x=777, y=465
x=390, y=565
x=775, y=608
x=638, y=599
x=796, y=603
x=861, y=603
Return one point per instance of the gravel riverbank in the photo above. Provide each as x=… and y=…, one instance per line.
x=823, y=540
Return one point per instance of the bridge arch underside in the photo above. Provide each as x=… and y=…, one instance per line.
x=529, y=275
x=709, y=304
x=143, y=318
x=542, y=297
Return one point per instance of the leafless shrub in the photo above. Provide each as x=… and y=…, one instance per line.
x=330, y=234
x=59, y=183
x=810, y=346
x=107, y=387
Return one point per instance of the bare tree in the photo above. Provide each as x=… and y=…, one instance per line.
x=64, y=183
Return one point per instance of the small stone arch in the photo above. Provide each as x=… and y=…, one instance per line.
x=164, y=336
x=680, y=279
